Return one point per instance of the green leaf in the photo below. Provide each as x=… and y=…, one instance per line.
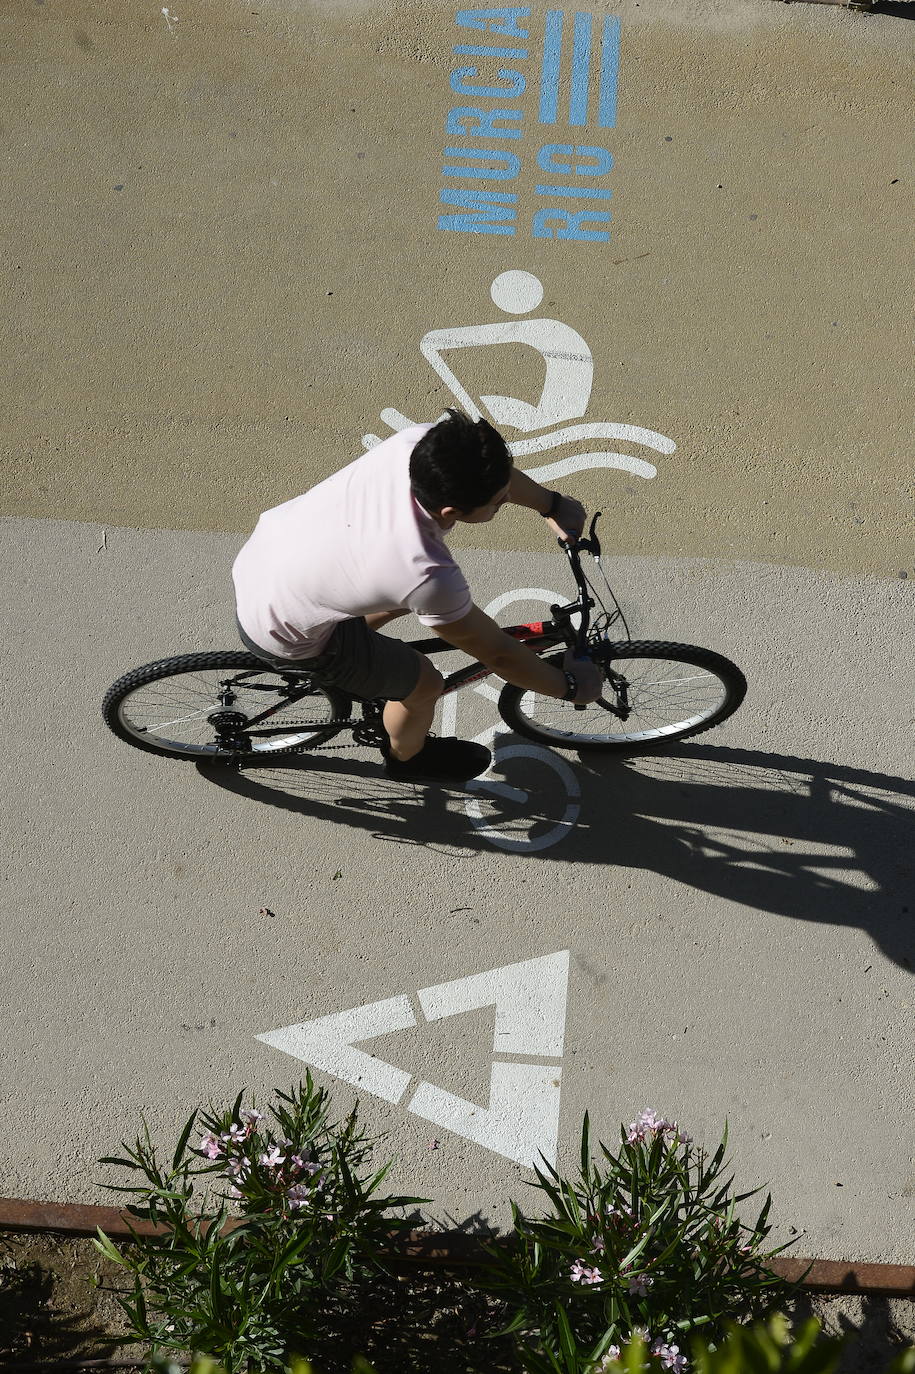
x=516, y=1323
x=336, y=1257
x=585, y=1147
x=107, y=1247
x=566, y=1339
x=296, y=1248
x=636, y=1250
x=634, y=1356
x=182, y=1143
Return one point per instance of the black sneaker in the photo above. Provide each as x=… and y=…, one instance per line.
x=441, y=758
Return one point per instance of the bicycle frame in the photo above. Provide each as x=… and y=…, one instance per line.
x=539, y=635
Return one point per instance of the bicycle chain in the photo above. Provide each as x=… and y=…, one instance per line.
x=367, y=732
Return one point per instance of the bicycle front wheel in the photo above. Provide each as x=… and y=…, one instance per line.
x=223, y=707
x=654, y=694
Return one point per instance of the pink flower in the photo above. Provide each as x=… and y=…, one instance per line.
x=649, y=1123
x=640, y=1283
x=668, y=1355
x=253, y=1117
x=210, y=1147
x=599, y=1245
x=273, y=1159
x=581, y=1273
x=307, y=1167
x=299, y=1195
x=235, y=1134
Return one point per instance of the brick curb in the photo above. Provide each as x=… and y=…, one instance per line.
x=454, y=1249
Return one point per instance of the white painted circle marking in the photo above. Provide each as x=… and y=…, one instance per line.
x=517, y=292
x=474, y=810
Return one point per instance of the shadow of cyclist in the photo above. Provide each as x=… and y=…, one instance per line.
x=795, y=837
x=355, y=793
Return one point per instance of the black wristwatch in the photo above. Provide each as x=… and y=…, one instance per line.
x=571, y=687
x=554, y=505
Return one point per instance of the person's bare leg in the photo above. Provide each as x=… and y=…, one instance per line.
x=407, y=722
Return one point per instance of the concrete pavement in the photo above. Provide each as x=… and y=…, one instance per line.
x=248, y=241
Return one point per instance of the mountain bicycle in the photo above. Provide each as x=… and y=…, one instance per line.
x=230, y=706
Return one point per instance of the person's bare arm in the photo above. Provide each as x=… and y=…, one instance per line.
x=375, y=619
x=479, y=636
x=569, y=519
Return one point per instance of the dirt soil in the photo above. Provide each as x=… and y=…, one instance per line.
x=51, y=1310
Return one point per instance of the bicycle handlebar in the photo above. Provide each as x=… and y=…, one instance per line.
x=590, y=545
x=572, y=548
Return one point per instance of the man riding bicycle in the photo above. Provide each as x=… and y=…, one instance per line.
x=323, y=572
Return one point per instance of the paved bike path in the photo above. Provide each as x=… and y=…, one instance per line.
x=246, y=238
x=736, y=915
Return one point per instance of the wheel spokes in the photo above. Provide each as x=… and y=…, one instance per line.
x=652, y=698
x=175, y=712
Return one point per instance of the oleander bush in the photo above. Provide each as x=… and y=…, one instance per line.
x=647, y=1241
x=307, y=1225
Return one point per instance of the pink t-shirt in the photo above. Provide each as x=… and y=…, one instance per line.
x=358, y=542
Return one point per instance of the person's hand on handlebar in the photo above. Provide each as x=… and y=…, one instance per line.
x=589, y=677
x=568, y=521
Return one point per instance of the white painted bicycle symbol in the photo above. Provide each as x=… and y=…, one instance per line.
x=565, y=396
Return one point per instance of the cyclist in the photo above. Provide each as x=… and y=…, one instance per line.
x=324, y=571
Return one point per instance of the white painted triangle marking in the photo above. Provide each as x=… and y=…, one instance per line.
x=327, y=1043
x=521, y=1121
x=529, y=997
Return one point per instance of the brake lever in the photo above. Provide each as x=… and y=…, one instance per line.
x=590, y=545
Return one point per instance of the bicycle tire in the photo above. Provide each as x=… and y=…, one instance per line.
x=338, y=707
x=518, y=707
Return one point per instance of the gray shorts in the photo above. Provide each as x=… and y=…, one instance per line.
x=359, y=661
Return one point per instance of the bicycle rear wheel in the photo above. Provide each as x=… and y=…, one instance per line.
x=655, y=694
x=221, y=706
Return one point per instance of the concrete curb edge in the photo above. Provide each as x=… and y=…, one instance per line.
x=454, y=1249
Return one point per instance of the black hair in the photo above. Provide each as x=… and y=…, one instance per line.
x=460, y=463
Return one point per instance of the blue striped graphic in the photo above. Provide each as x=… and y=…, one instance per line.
x=581, y=70
x=609, y=72
x=549, y=77
x=476, y=50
